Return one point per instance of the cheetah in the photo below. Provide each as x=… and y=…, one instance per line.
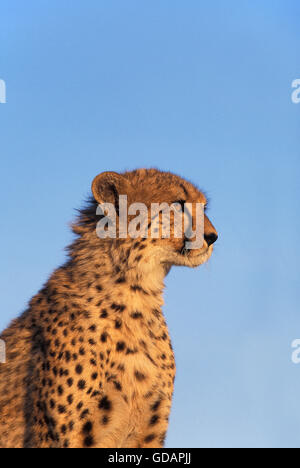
x=90, y=363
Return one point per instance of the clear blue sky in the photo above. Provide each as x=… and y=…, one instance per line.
x=199, y=88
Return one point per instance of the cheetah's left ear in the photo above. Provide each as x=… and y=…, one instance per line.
x=108, y=186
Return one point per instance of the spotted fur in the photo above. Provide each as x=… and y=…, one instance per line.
x=90, y=362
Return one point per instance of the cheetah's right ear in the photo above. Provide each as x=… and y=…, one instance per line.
x=108, y=186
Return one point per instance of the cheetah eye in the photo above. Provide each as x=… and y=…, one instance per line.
x=180, y=203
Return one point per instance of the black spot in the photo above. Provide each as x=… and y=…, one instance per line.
x=155, y=405
x=89, y=441
x=82, y=351
x=118, y=307
x=79, y=406
x=60, y=390
x=105, y=420
x=156, y=313
x=121, y=280
x=78, y=369
x=105, y=404
x=136, y=315
x=87, y=428
x=120, y=346
x=154, y=420
x=118, y=324
x=70, y=382
x=84, y=414
x=63, y=429
x=94, y=376
x=136, y=287
x=103, y=314
x=149, y=438
x=81, y=384
x=103, y=337
x=61, y=409
x=70, y=399
x=139, y=376
x=117, y=385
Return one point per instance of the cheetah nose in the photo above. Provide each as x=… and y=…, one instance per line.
x=210, y=238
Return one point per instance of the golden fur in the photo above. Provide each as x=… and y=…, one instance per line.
x=90, y=362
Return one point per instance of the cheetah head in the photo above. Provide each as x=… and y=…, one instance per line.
x=148, y=188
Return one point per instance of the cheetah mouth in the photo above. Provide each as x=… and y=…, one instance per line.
x=196, y=258
x=193, y=253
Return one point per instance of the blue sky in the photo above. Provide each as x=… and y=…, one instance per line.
x=199, y=88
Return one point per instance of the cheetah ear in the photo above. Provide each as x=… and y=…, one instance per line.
x=108, y=186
